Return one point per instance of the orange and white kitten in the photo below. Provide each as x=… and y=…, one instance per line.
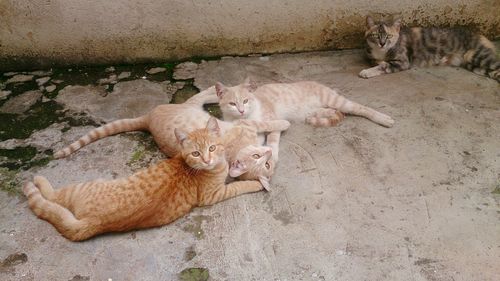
x=163, y=119
x=307, y=101
x=152, y=197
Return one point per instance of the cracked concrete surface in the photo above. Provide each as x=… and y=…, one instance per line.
x=353, y=202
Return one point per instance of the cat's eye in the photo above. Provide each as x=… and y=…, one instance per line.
x=267, y=165
x=211, y=148
x=256, y=156
x=245, y=101
x=389, y=36
x=195, y=154
x=232, y=103
x=374, y=35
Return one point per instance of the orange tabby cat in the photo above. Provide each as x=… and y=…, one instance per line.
x=152, y=197
x=307, y=101
x=190, y=115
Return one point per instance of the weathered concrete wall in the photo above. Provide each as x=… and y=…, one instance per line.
x=48, y=32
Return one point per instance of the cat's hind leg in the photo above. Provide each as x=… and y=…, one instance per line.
x=330, y=98
x=325, y=117
x=45, y=187
x=61, y=218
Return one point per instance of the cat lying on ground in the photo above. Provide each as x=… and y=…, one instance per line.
x=251, y=163
x=396, y=49
x=152, y=197
x=307, y=101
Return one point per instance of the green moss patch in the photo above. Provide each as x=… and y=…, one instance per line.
x=24, y=158
x=185, y=93
x=194, y=274
x=214, y=110
x=8, y=182
x=496, y=190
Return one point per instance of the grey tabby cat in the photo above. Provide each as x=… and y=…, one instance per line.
x=395, y=49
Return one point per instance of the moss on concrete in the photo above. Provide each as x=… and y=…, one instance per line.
x=39, y=116
x=185, y=93
x=496, y=190
x=194, y=274
x=24, y=158
x=8, y=182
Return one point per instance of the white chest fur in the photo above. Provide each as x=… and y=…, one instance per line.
x=378, y=54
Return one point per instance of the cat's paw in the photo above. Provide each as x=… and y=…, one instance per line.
x=39, y=181
x=284, y=125
x=369, y=73
x=265, y=182
x=29, y=188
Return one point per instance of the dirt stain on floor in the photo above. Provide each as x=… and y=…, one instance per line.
x=80, y=278
x=8, y=264
x=190, y=253
x=195, y=226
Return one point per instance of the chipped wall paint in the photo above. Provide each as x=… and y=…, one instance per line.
x=62, y=32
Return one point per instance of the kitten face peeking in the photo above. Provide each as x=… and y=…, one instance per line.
x=382, y=35
x=202, y=149
x=236, y=102
x=254, y=162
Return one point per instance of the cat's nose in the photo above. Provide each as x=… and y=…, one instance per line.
x=206, y=161
x=269, y=153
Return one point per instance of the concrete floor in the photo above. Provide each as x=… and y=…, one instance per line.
x=419, y=201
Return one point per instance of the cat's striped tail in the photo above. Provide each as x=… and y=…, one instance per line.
x=115, y=127
x=330, y=98
x=60, y=217
x=483, y=59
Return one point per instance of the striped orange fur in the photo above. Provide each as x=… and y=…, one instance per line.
x=163, y=119
x=152, y=197
x=115, y=127
x=306, y=101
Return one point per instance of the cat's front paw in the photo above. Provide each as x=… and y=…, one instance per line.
x=284, y=124
x=265, y=182
x=368, y=73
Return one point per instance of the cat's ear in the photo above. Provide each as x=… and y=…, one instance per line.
x=237, y=169
x=369, y=22
x=397, y=24
x=213, y=126
x=265, y=182
x=220, y=89
x=249, y=84
x=180, y=135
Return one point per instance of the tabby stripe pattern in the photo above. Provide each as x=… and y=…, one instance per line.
x=115, y=127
